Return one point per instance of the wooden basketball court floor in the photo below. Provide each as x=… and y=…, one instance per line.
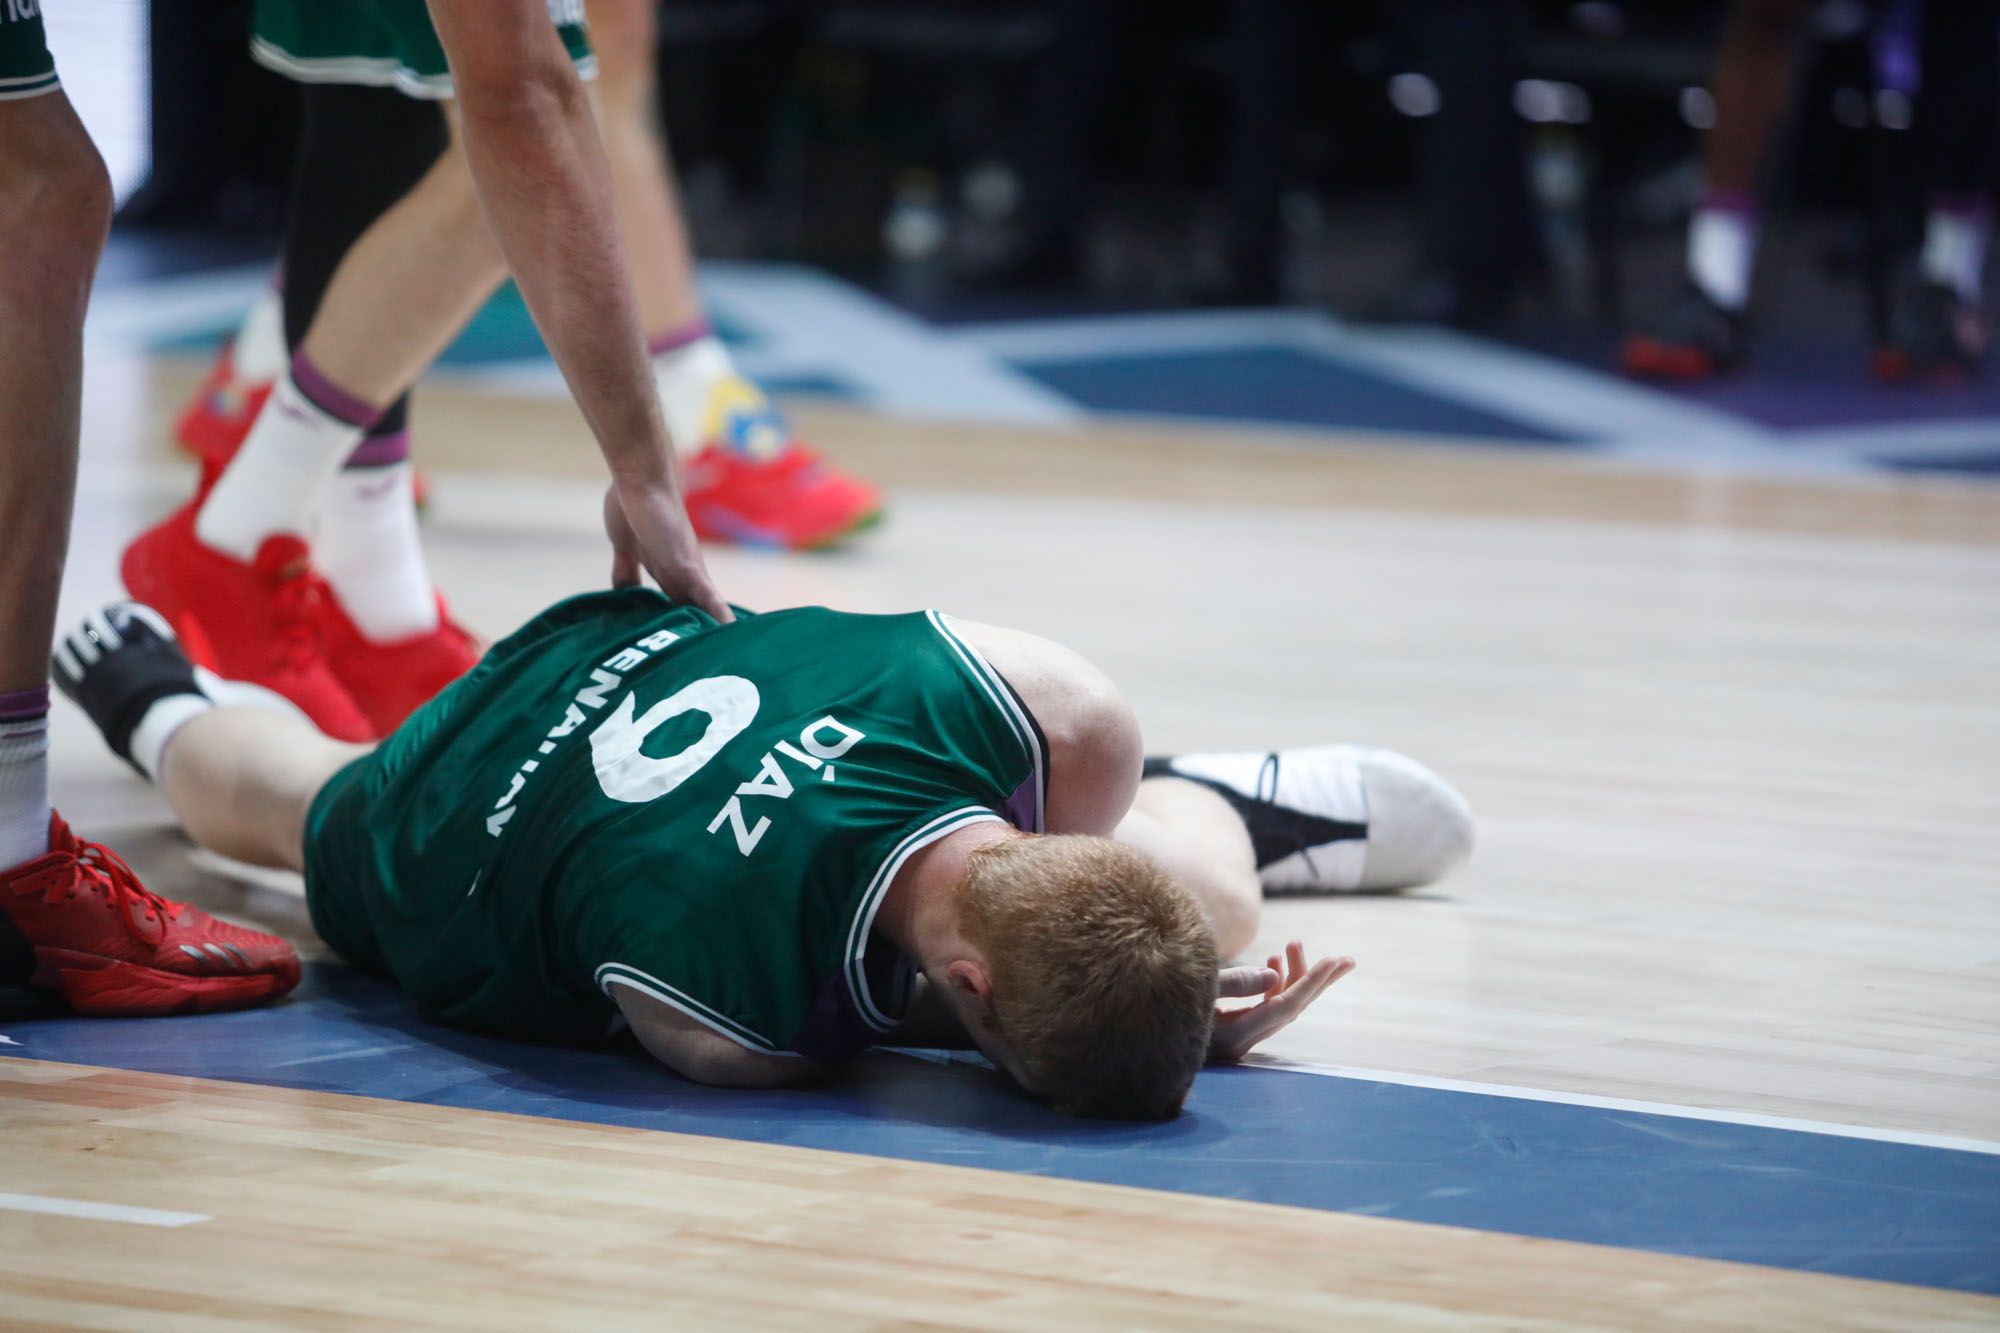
x=1707, y=1032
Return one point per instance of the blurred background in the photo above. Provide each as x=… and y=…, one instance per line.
x=1533, y=172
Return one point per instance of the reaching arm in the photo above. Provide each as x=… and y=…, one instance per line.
x=702, y=1054
x=541, y=174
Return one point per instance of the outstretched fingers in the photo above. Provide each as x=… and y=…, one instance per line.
x=1239, y=983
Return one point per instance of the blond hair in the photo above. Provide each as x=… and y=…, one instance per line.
x=1103, y=970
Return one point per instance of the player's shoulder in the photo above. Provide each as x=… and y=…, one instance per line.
x=1084, y=721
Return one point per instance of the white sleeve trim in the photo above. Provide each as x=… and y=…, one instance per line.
x=878, y=887
x=1001, y=696
x=622, y=974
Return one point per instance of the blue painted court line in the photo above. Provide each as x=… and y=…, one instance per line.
x=1273, y=384
x=1815, y=1202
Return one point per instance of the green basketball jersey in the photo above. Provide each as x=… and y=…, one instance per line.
x=625, y=793
x=376, y=43
x=26, y=68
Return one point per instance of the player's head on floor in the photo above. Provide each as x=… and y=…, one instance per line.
x=1092, y=975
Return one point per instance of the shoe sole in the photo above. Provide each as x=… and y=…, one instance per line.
x=99, y=987
x=1647, y=359
x=718, y=524
x=1891, y=365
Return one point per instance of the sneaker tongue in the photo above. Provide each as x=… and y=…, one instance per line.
x=283, y=557
x=60, y=838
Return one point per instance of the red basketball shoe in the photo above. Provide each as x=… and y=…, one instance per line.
x=792, y=499
x=215, y=420
x=260, y=622
x=1691, y=340
x=390, y=681
x=111, y=946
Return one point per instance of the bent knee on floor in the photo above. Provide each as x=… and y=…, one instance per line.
x=1235, y=907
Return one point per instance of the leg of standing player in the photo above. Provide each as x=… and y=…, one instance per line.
x=387, y=255
x=1752, y=88
x=55, y=206
x=748, y=479
x=625, y=34
x=74, y=920
x=322, y=460
x=1938, y=327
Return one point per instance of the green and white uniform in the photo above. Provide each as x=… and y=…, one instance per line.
x=26, y=67
x=379, y=43
x=625, y=793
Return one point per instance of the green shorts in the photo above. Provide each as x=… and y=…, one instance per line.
x=26, y=67
x=377, y=43
x=329, y=860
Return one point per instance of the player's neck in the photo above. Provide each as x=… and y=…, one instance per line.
x=919, y=913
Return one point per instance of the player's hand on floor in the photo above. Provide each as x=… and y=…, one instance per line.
x=649, y=530
x=1287, y=986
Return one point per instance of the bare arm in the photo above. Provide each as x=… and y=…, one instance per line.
x=1095, y=750
x=541, y=174
x=703, y=1054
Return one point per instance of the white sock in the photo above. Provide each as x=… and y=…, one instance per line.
x=1722, y=247
x=274, y=483
x=368, y=549
x=705, y=399
x=258, y=354
x=24, y=789
x=163, y=720
x=1955, y=249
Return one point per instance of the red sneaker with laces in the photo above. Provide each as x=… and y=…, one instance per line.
x=794, y=500
x=259, y=622
x=390, y=681
x=215, y=420
x=111, y=946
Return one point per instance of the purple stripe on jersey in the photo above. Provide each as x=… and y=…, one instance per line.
x=834, y=1031
x=675, y=339
x=1019, y=809
x=24, y=705
x=329, y=397
x=381, y=450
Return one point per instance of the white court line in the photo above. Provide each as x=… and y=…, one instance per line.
x=99, y=1212
x=813, y=323
x=1964, y=437
x=1913, y=1138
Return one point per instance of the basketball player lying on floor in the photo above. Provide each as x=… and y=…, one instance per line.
x=770, y=844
